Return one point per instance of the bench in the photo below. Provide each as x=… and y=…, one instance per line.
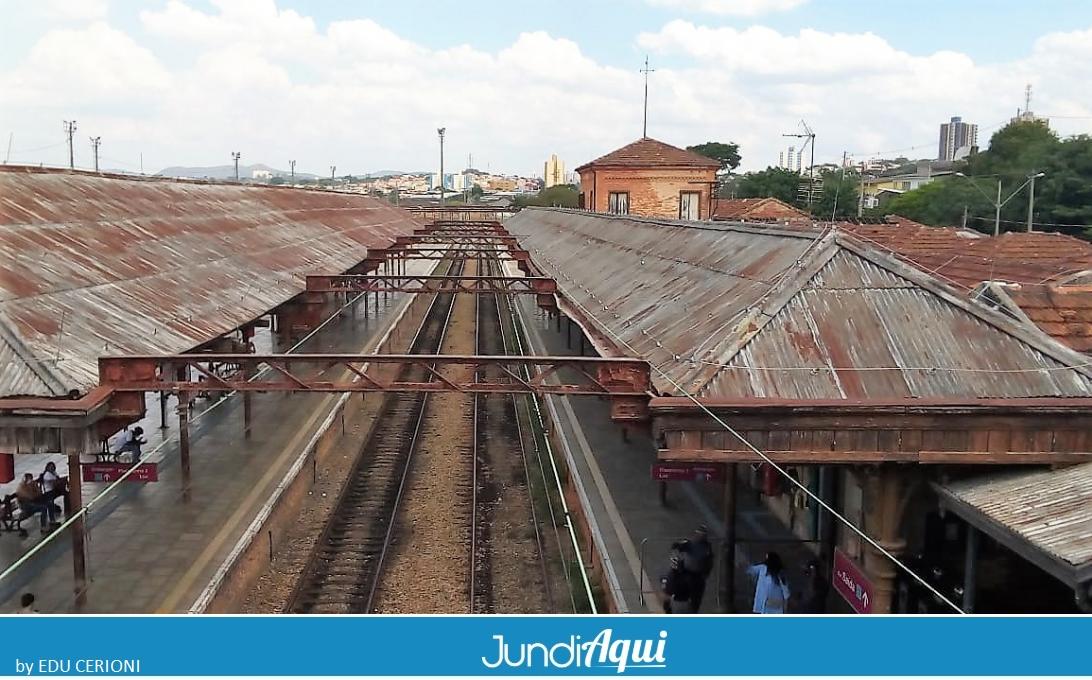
x=12, y=515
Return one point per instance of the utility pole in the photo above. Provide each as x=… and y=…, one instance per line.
x=441, y=132
x=997, y=215
x=70, y=129
x=333, y=169
x=860, y=199
x=963, y=223
x=292, y=171
x=1031, y=198
x=235, y=156
x=646, y=70
x=95, y=141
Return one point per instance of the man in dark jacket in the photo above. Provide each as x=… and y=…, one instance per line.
x=677, y=587
x=697, y=558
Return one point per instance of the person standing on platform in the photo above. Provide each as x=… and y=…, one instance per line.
x=771, y=591
x=697, y=559
x=677, y=589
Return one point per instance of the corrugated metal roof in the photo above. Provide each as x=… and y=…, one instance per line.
x=1050, y=509
x=101, y=265
x=790, y=306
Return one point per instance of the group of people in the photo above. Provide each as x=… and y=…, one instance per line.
x=683, y=586
x=38, y=496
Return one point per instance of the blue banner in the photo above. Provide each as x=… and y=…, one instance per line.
x=544, y=645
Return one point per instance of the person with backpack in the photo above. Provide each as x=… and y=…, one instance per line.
x=771, y=590
x=677, y=588
x=697, y=558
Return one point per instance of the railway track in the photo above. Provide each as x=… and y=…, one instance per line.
x=343, y=573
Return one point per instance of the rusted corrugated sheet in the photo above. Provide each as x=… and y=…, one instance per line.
x=107, y=265
x=661, y=282
x=854, y=314
x=1050, y=509
x=789, y=308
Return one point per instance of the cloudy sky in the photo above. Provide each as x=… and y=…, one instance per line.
x=364, y=85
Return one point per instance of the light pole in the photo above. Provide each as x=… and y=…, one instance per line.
x=235, y=156
x=441, y=132
x=998, y=203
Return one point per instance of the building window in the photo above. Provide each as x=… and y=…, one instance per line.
x=688, y=205
x=618, y=202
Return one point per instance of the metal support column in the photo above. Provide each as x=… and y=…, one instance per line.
x=247, y=410
x=728, y=556
x=162, y=410
x=75, y=504
x=826, y=519
x=557, y=322
x=970, y=570
x=184, y=442
x=568, y=333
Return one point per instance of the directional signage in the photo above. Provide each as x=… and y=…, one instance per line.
x=851, y=583
x=691, y=472
x=111, y=472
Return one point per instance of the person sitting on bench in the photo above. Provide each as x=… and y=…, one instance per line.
x=32, y=502
x=131, y=441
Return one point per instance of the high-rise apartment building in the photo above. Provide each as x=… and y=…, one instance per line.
x=956, y=139
x=554, y=172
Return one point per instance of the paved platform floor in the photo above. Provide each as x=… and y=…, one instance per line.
x=635, y=529
x=151, y=550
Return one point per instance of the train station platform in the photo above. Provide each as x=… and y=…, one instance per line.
x=633, y=531
x=150, y=548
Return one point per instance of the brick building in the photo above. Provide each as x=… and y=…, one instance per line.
x=650, y=178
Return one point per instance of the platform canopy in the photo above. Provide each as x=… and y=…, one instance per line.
x=817, y=346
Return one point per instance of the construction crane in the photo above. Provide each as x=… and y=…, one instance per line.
x=809, y=135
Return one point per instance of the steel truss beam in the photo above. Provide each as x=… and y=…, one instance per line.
x=457, y=239
x=534, y=285
x=619, y=378
x=446, y=252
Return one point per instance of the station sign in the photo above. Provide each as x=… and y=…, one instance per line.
x=689, y=472
x=851, y=583
x=111, y=472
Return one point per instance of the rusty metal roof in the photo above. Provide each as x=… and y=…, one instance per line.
x=647, y=152
x=1050, y=510
x=732, y=311
x=99, y=265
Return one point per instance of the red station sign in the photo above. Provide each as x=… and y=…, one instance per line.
x=851, y=583
x=111, y=472
x=690, y=472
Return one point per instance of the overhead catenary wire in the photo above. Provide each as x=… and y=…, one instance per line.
x=769, y=461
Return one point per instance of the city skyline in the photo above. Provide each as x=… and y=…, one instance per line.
x=187, y=82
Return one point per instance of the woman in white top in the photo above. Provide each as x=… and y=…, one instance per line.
x=771, y=591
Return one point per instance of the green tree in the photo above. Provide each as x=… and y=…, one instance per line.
x=727, y=153
x=839, y=196
x=557, y=196
x=476, y=192
x=771, y=182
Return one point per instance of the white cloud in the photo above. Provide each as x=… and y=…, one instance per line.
x=249, y=76
x=743, y=8
x=74, y=11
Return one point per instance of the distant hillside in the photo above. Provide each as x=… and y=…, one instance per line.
x=227, y=172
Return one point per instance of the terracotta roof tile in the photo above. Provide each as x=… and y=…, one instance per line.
x=756, y=209
x=647, y=152
x=1063, y=312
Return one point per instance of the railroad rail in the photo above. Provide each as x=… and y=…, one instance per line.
x=343, y=573
x=394, y=283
